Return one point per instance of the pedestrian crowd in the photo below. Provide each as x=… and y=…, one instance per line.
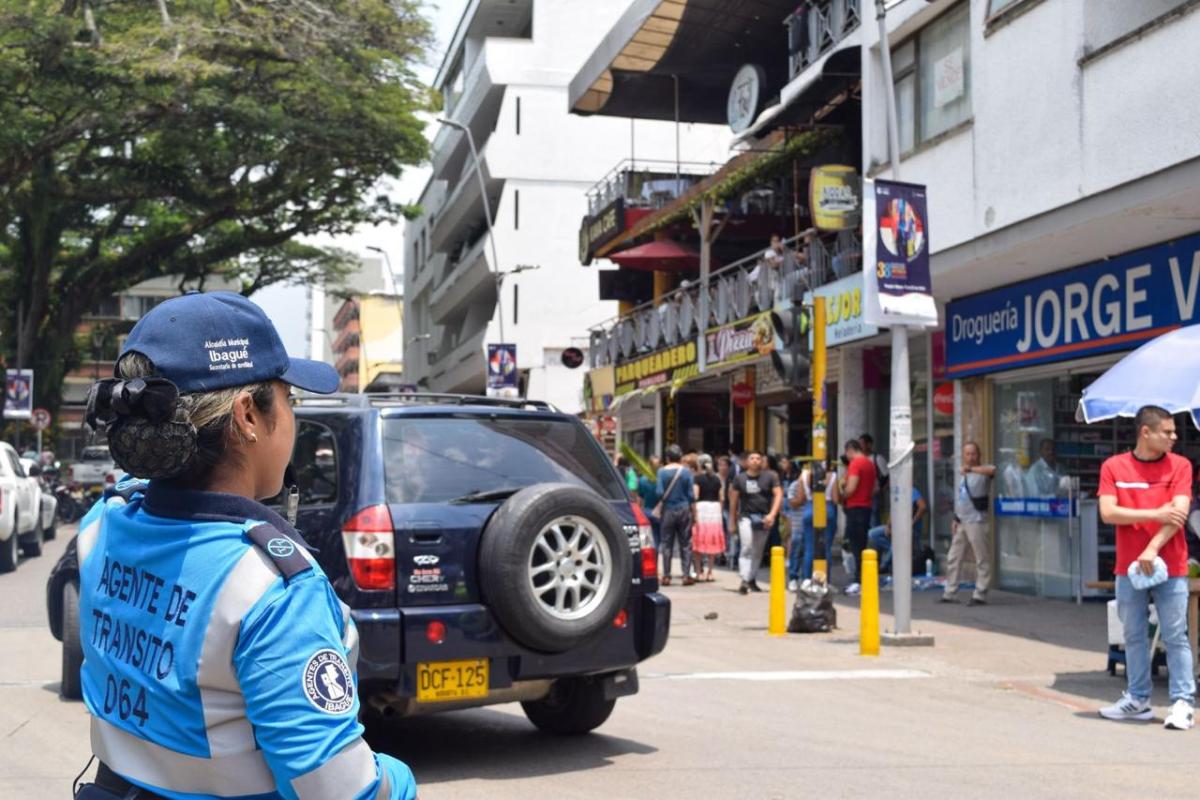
x=728, y=510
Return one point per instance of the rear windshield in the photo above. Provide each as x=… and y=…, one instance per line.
x=95, y=454
x=435, y=459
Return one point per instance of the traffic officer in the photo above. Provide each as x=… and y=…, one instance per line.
x=218, y=663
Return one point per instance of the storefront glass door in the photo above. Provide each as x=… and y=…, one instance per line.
x=1033, y=530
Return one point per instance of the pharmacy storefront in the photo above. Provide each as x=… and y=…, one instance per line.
x=1023, y=355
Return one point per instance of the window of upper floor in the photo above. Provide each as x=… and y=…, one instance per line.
x=931, y=72
x=1108, y=22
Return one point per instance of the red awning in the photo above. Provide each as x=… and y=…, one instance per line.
x=661, y=254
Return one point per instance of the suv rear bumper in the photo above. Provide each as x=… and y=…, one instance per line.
x=392, y=642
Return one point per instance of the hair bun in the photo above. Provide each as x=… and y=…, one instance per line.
x=152, y=450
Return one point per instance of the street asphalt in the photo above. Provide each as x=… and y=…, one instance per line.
x=1002, y=706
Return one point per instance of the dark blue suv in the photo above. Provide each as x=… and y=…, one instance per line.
x=488, y=550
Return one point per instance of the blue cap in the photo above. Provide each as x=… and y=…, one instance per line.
x=215, y=340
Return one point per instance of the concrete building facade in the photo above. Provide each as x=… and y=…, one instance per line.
x=505, y=76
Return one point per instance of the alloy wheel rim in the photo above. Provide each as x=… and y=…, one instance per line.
x=570, y=568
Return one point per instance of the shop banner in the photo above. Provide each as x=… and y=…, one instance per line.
x=598, y=389
x=748, y=338
x=844, y=321
x=601, y=229
x=660, y=368
x=835, y=197
x=502, y=370
x=1095, y=308
x=1060, y=507
x=897, y=288
x=18, y=401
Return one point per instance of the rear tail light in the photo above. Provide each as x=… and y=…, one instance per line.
x=622, y=619
x=371, y=548
x=646, y=540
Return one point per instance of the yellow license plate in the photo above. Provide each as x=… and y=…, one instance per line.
x=452, y=680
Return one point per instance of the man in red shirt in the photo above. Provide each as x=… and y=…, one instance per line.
x=1146, y=494
x=860, y=486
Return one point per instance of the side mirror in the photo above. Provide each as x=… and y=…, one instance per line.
x=35, y=471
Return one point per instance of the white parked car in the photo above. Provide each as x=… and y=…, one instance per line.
x=33, y=472
x=20, y=510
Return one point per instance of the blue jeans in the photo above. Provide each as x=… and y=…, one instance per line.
x=1133, y=607
x=881, y=543
x=810, y=540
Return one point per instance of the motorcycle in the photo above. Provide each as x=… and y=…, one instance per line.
x=70, y=496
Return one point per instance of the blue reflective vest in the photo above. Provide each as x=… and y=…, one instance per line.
x=218, y=662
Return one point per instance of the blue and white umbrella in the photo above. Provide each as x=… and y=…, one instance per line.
x=1163, y=372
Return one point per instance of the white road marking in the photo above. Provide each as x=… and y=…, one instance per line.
x=797, y=675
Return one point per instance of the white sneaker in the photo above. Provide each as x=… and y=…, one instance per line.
x=1180, y=716
x=1130, y=708
x=793, y=585
x=853, y=588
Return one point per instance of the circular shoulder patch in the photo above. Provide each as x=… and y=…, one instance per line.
x=281, y=547
x=327, y=682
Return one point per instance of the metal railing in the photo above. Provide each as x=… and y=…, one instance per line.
x=817, y=27
x=752, y=284
x=646, y=183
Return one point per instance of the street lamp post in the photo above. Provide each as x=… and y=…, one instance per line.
x=900, y=422
x=487, y=212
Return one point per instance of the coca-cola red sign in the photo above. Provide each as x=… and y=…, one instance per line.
x=743, y=394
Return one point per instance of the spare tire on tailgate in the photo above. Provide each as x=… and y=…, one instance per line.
x=554, y=566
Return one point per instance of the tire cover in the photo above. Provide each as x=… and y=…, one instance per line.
x=506, y=552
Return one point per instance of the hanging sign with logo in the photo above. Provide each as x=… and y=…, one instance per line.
x=502, y=370
x=1101, y=307
x=835, y=197
x=18, y=401
x=600, y=229
x=897, y=287
x=844, y=320
x=745, y=97
x=572, y=358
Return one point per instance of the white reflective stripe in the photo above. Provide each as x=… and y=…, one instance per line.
x=1132, y=485
x=155, y=765
x=229, y=732
x=86, y=540
x=344, y=775
x=349, y=636
x=385, y=786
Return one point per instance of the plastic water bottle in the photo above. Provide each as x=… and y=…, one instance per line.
x=929, y=568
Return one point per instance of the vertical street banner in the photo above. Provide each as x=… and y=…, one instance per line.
x=896, y=283
x=502, y=370
x=18, y=388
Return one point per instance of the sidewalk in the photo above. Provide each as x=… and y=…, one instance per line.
x=1053, y=650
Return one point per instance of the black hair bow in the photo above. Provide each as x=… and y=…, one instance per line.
x=154, y=399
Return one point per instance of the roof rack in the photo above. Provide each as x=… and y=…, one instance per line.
x=429, y=398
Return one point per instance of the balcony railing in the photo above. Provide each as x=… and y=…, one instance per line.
x=816, y=27
x=646, y=183
x=736, y=291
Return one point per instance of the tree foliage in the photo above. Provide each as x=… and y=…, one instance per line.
x=191, y=138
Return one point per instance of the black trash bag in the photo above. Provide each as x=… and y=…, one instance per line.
x=814, y=611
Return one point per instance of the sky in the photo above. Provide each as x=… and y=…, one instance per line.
x=282, y=302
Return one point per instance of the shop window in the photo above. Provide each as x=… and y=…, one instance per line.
x=931, y=72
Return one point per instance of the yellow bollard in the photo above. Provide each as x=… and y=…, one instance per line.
x=869, y=607
x=777, y=621
x=819, y=566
